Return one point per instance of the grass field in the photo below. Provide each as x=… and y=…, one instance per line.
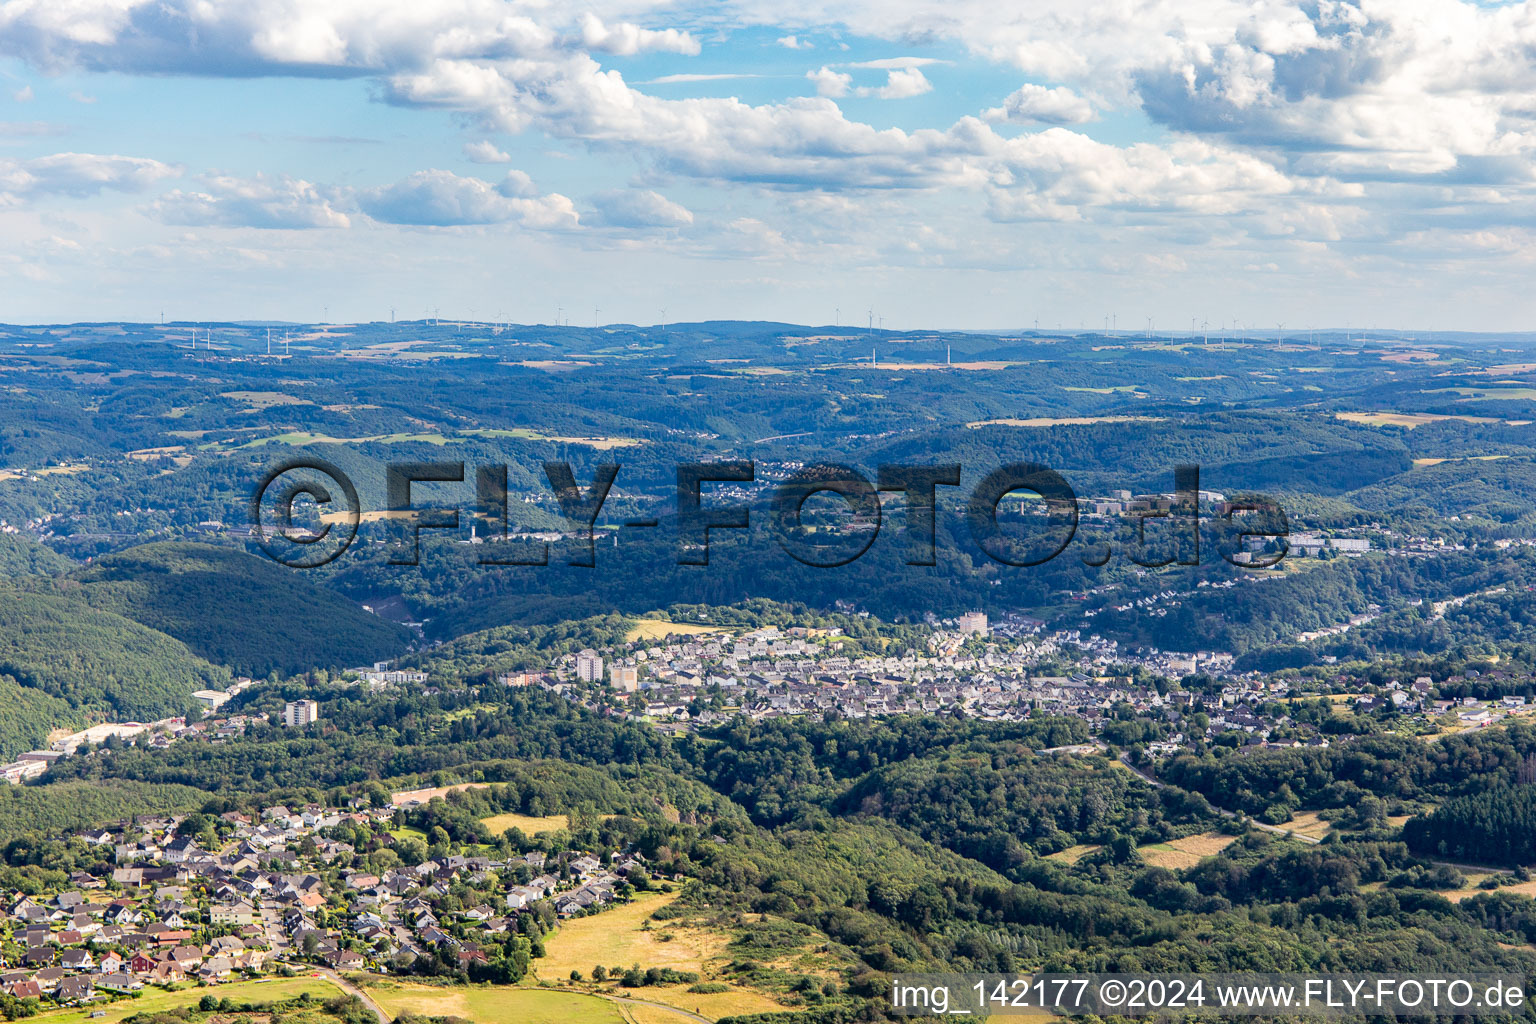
x=1307, y=823
x=655, y=629
x=1063, y=421
x=421, y=796
x=49, y=470
x=156, y=1000
x=618, y=938
x=1471, y=889
x=1178, y=854
x=408, y=833
x=1514, y=394
x=553, y=365
x=496, y=1004
x=1072, y=854
x=295, y=438
x=1405, y=419
x=531, y=826
x=259, y=401
x=524, y=434
x=1468, y=458
x=971, y=365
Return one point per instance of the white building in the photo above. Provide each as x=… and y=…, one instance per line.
x=589, y=666
x=211, y=699
x=299, y=713
x=974, y=622
x=624, y=677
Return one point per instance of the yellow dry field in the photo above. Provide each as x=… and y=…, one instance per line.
x=735, y=1003
x=65, y=470
x=974, y=365
x=375, y=516
x=1405, y=419
x=1411, y=356
x=531, y=826
x=496, y=1004
x=1471, y=889
x=619, y=938
x=524, y=434
x=423, y=795
x=148, y=454
x=656, y=629
x=1072, y=854
x=1469, y=458
x=1063, y=421
x=643, y=1013
x=1183, y=853
x=553, y=364
x=1307, y=823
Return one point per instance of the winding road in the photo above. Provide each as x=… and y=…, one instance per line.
x=347, y=987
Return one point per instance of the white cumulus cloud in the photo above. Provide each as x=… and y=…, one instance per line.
x=830, y=83
x=1037, y=104
x=286, y=203
x=443, y=199
x=79, y=175
x=484, y=152
x=640, y=208
x=625, y=39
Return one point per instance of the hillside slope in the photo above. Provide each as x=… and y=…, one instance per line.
x=238, y=610
x=63, y=661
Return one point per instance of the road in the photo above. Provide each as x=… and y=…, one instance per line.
x=347, y=987
x=627, y=1001
x=1276, y=829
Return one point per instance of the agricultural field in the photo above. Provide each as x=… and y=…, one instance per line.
x=421, y=796
x=1127, y=389
x=656, y=629
x=1495, y=394
x=260, y=401
x=523, y=434
x=1307, y=823
x=499, y=823
x=1177, y=854
x=156, y=1001
x=486, y=1004
x=1062, y=421
x=1406, y=419
x=624, y=936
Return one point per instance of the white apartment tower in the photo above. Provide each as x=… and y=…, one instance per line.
x=589, y=666
x=299, y=713
x=974, y=622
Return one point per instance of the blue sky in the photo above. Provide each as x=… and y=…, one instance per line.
x=956, y=164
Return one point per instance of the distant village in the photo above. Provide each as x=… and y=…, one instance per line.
x=274, y=896
x=1008, y=671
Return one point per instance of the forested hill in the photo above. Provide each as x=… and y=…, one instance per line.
x=238, y=610
x=64, y=663
x=21, y=555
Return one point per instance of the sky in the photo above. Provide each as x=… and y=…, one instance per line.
x=961, y=164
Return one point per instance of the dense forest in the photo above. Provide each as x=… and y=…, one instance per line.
x=238, y=610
